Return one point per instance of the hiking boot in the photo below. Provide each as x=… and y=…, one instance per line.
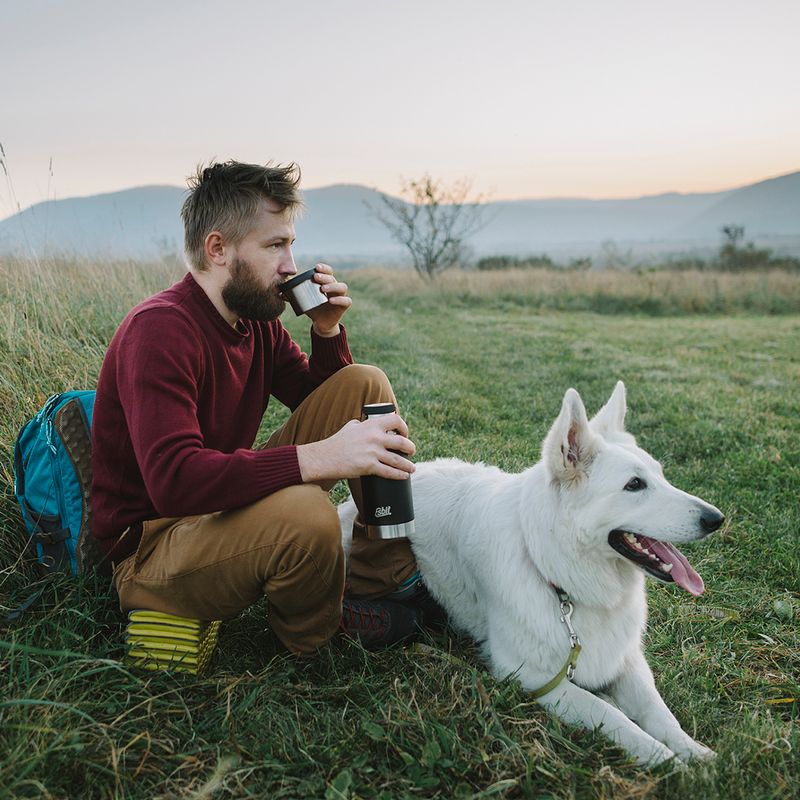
x=414, y=593
x=377, y=623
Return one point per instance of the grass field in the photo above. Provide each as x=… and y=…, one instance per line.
x=480, y=368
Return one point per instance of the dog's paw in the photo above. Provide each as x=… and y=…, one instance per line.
x=694, y=751
x=703, y=753
x=655, y=755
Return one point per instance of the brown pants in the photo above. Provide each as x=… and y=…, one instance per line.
x=286, y=546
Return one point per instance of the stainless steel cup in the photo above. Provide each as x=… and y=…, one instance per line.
x=303, y=292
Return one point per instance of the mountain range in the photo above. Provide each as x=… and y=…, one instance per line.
x=144, y=223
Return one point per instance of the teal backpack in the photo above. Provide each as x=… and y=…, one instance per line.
x=52, y=482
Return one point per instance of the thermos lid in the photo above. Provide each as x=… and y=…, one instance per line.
x=297, y=280
x=376, y=409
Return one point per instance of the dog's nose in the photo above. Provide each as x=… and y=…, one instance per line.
x=711, y=520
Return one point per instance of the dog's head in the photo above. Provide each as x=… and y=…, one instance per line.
x=614, y=498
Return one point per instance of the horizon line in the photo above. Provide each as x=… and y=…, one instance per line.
x=487, y=199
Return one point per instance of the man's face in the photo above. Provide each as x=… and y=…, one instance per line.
x=261, y=262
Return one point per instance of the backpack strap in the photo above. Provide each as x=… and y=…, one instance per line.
x=52, y=537
x=73, y=427
x=16, y=613
x=54, y=548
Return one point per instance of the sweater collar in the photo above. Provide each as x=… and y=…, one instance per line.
x=243, y=327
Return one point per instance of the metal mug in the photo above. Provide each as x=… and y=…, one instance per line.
x=303, y=292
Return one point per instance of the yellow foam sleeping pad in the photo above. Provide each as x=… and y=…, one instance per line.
x=159, y=641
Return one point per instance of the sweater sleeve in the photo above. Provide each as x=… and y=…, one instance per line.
x=159, y=371
x=295, y=375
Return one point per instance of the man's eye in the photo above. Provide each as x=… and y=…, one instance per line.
x=635, y=485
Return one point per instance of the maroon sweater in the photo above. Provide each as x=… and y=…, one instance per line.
x=179, y=401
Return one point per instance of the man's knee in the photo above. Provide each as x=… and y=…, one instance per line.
x=370, y=380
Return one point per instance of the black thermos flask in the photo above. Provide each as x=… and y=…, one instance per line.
x=388, y=507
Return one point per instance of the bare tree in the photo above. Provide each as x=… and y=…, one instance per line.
x=432, y=221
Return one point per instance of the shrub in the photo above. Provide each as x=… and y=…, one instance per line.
x=490, y=263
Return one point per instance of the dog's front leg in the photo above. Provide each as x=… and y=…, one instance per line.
x=580, y=707
x=636, y=695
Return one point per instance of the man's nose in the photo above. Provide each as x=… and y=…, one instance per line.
x=288, y=266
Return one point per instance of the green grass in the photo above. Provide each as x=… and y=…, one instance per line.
x=479, y=377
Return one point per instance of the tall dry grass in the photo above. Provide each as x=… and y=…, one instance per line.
x=602, y=291
x=56, y=319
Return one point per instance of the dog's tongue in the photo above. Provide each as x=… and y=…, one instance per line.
x=682, y=571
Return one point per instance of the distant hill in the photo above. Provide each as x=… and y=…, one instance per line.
x=144, y=223
x=771, y=207
x=134, y=223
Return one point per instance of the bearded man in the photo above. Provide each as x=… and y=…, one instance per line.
x=191, y=518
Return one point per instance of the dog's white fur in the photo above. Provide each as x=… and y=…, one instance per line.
x=490, y=546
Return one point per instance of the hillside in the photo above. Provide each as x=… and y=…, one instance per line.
x=144, y=223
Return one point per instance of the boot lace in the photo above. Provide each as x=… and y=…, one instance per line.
x=358, y=617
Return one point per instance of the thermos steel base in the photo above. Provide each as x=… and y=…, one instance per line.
x=402, y=530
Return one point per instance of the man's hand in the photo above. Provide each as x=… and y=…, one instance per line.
x=326, y=317
x=359, y=448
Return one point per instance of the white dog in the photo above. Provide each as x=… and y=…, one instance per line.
x=546, y=570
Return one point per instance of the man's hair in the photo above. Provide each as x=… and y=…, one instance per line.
x=227, y=197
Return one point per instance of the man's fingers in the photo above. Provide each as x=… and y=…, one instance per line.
x=393, y=423
x=334, y=287
x=385, y=471
x=397, y=461
x=339, y=300
x=327, y=280
x=401, y=443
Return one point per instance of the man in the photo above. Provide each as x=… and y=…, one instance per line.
x=194, y=521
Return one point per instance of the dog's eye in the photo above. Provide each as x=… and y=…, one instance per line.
x=635, y=485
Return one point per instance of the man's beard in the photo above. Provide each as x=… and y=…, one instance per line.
x=247, y=296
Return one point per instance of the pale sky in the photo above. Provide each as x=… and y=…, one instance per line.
x=610, y=98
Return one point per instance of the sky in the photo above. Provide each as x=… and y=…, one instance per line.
x=526, y=99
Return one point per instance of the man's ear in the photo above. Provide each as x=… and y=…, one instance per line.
x=610, y=419
x=215, y=249
x=570, y=446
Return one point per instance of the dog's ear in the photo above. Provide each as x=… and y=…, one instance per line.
x=570, y=446
x=610, y=419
